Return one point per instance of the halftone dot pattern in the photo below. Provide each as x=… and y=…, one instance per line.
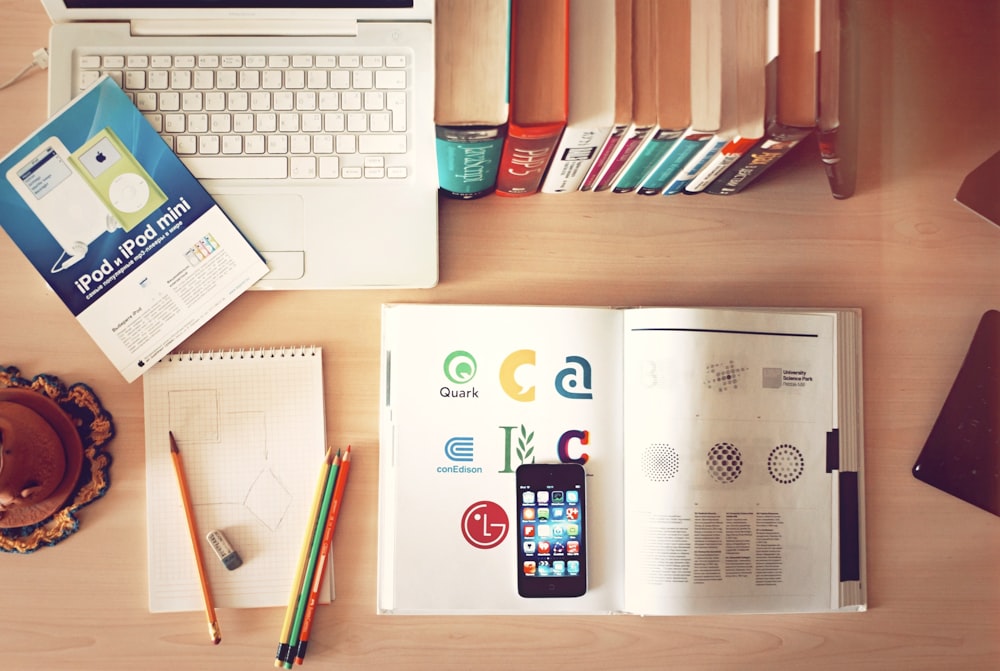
x=725, y=463
x=785, y=464
x=724, y=376
x=660, y=462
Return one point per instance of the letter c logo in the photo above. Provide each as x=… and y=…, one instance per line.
x=563, y=447
x=508, y=372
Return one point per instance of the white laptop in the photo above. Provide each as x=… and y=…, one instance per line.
x=310, y=122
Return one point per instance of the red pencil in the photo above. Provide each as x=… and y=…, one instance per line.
x=324, y=553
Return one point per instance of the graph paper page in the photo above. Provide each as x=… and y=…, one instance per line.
x=250, y=429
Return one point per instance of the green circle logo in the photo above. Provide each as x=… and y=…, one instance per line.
x=460, y=367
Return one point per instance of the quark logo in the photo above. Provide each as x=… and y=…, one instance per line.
x=484, y=525
x=459, y=448
x=460, y=367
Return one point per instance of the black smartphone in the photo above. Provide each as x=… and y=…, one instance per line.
x=551, y=530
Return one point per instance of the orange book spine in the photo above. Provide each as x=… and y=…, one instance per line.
x=529, y=146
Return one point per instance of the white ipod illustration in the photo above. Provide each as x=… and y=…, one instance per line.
x=62, y=200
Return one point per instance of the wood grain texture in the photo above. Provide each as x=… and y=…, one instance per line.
x=921, y=267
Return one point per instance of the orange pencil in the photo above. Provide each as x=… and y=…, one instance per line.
x=293, y=599
x=213, y=622
x=324, y=553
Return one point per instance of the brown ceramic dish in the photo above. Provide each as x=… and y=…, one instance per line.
x=33, y=512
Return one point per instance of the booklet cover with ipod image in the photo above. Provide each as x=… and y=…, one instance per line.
x=120, y=230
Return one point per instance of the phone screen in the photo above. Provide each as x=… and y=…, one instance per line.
x=551, y=547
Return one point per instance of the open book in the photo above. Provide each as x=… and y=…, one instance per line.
x=722, y=447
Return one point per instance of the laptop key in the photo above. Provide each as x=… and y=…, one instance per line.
x=237, y=167
x=381, y=144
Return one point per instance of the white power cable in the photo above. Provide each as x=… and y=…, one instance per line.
x=40, y=60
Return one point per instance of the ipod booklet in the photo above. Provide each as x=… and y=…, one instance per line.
x=121, y=231
x=722, y=451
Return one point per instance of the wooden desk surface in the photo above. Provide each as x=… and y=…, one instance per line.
x=922, y=268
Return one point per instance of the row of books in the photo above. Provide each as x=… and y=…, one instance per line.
x=655, y=97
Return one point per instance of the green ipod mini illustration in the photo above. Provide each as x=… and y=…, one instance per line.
x=117, y=178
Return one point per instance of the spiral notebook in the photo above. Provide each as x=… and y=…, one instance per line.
x=250, y=427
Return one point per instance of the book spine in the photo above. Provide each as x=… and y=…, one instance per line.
x=573, y=158
x=646, y=161
x=527, y=152
x=630, y=145
x=468, y=159
x=850, y=525
x=711, y=148
x=604, y=157
x=780, y=140
x=687, y=145
x=717, y=165
x=840, y=185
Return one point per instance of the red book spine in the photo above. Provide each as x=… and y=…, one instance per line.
x=527, y=152
x=529, y=147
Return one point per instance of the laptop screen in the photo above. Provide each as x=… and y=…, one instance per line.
x=236, y=4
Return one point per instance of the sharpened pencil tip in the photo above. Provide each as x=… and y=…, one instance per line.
x=173, y=442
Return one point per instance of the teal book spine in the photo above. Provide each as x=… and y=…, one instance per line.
x=468, y=159
x=684, y=149
x=694, y=167
x=659, y=146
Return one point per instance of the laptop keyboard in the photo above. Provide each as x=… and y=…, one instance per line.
x=232, y=116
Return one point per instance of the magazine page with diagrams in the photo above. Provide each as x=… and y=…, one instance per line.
x=741, y=478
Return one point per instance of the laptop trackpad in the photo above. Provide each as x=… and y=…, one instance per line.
x=274, y=225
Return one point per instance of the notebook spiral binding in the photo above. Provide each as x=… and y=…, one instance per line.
x=245, y=353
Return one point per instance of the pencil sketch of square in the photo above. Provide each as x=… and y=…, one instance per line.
x=240, y=455
x=772, y=378
x=195, y=413
x=268, y=500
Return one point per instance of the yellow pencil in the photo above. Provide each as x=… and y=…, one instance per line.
x=307, y=576
x=324, y=554
x=293, y=599
x=213, y=622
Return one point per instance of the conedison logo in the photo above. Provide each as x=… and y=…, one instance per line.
x=460, y=367
x=459, y=448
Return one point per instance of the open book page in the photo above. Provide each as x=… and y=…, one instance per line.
x=470, y=393
x=729, y=506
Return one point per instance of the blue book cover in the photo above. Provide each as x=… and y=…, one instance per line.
x=120, y=230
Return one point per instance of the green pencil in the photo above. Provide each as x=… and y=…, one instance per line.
x=307, y=577
x=296, y=588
